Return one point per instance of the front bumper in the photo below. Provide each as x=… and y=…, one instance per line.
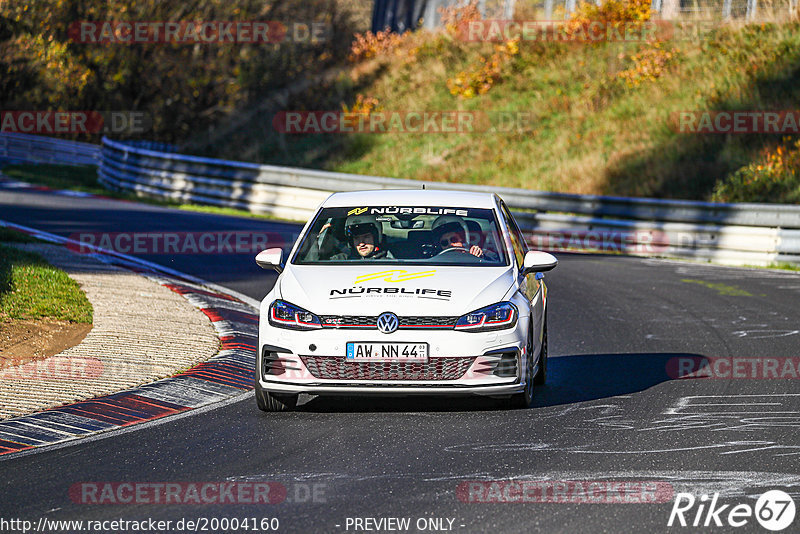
x=399, y=389
x=283, y=354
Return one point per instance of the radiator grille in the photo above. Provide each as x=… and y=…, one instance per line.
x=371, y=321
x=338, y=368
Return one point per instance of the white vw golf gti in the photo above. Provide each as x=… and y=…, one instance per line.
x=404, y=292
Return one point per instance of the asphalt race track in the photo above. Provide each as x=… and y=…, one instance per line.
x=612, y=411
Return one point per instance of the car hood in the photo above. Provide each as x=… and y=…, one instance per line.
x=436, y=290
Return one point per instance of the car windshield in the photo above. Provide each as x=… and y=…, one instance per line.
x=430, y=235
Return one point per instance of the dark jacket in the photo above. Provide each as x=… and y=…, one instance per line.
x=379, y=253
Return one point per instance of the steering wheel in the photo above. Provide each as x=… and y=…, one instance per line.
x=460, y=250
x=453, y=249
x=428, y=250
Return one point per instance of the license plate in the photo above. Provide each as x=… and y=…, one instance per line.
x=376, y=352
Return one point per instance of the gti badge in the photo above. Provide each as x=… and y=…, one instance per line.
x=388, y=322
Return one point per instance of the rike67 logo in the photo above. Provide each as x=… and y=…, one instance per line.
x=774, y=511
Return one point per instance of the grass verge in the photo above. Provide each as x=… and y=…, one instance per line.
x=7, y=235
x=782, y=266
x=31, y=288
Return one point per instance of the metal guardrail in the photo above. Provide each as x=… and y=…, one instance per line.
x=40, y=149
x=743, y=234
x=756, y=234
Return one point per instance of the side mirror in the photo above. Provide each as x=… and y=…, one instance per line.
x=536, y=262
x=270, y=259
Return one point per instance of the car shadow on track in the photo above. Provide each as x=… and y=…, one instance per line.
x=588, y=377
x=570, y=379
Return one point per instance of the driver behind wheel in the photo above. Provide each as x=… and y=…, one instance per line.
x=450, y=232
x=477, y=237
x=364, y=236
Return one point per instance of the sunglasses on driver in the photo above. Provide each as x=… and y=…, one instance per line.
x=455, y=238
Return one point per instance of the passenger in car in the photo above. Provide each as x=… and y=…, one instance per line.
x=364, y=236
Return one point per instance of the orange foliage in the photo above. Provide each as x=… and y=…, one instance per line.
x=370, y=45
x=648, y=65
x=620, y=13
x=478, y=79
x=455, y=17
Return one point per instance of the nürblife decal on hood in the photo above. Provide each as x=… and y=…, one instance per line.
x=395, y=276
x=451, y=291
x=361, y=291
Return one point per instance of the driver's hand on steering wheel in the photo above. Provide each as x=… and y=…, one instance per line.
x=475, y=250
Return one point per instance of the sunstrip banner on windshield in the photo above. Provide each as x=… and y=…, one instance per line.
x=395, y=210
x=408, y=210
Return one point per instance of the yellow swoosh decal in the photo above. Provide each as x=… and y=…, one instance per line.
x=394, y=275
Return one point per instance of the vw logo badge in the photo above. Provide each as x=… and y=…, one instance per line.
x=388, y=322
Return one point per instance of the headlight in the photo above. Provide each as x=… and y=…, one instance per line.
x=285, y=315
x=495, y=317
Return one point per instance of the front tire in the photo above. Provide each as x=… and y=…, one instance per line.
x=274, y=402
x=541, y=375
x=525, y=399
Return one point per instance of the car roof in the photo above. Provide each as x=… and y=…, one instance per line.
x=411, y=197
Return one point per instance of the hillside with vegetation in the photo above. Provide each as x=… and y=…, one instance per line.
x=183, y=86
x=601, y=115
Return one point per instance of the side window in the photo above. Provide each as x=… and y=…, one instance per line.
x=517, y=240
